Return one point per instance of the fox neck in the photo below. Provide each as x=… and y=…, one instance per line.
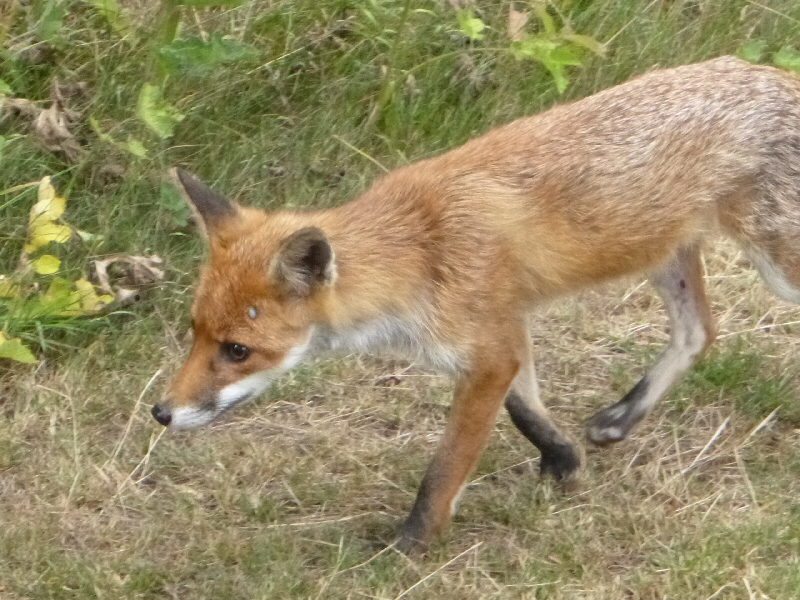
x=382, y=263
x=379, y=260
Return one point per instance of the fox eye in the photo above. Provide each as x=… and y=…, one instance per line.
x=235, y=352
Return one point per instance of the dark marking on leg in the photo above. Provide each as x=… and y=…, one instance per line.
x=560, y=459
x=683, y=284
x=415, y=532
x=613, y=424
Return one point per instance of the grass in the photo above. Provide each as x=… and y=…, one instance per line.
x=296, y=494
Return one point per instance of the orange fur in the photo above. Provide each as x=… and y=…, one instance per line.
x=444, y=258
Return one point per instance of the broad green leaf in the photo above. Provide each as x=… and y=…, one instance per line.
x=136, y=148
x=553, y=53
x=209, y=3
x=470, y=25
x=536, y=47
x=567, y=55
x=46, y=232
x=112, y=12
x=52, y=19
x=172, y=200
x=5, y=89
x=8, y=288
x=752, y=51
x=157, y=114
x=787, y=58
x=46, y=264
x=194, y=55
x=61, y=299
x=59, y=290
x=559, y=74
x=14, y=349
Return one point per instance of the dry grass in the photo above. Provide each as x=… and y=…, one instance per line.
x=296, y=495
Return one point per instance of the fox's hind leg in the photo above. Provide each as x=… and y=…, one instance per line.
x=782, y=277
x=560, y=458
x=680, y=284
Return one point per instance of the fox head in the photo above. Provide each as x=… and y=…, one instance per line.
x=259, y=296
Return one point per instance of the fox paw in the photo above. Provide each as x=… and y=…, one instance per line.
x=561, y=461
x=610, y=425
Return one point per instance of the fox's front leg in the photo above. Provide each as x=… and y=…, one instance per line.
x=478, y=397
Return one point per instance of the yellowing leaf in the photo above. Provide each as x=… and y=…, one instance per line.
x=14, y=349
x=44, y=233
x=8, y=289
x=90, y=301
x=46, y=190
x=47, y=264
x=49, y=207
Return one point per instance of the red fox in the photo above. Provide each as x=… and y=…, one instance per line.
x=443, y=260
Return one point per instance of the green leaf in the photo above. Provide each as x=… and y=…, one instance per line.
x=103, y=136
x=752, y=51
x=15, y=350
x=136, y=148
x=46, y=264
x=194, y=55
x=173, y=201
x=532, y=46
x=552, y=52
x=89, y=237
x=157, y=114
x=567, y=55
x=585, y=41
x=787, y=58
x=5, y=89
x=52, y=19
x=133, y=146
x=547, y=21
x=61, y=299
x=209, y=3
x=112, y=12
x=470, y=25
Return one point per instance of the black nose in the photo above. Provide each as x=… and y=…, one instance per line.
x=162, y=415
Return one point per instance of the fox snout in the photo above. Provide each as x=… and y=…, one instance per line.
x=182, y=412
x=162, y=414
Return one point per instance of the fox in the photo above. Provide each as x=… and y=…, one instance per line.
x=445, y=260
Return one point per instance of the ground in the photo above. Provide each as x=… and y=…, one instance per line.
x=297, y=493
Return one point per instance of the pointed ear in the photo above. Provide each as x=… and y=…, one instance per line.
x=304, y=262
x=210, y=208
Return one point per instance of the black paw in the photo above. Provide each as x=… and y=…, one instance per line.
x=561, y=461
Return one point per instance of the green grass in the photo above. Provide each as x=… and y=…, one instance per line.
x=296, y=494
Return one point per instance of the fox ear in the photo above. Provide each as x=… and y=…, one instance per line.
x=304, y=262
x=209, y=208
